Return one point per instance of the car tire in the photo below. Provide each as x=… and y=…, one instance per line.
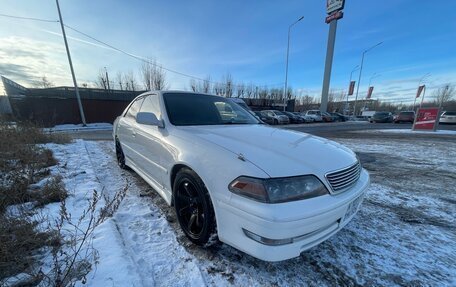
x=120, y=156
x=276, y=122
x=194, y=209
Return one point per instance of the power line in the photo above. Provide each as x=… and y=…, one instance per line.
x=130, y=54
x=29, y=18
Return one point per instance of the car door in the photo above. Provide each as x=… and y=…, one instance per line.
x=151, y=145
x=127, y=131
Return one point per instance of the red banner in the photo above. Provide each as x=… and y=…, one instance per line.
x=420, y=89
x=351, y=89
x=369, y=93
x=426, y=119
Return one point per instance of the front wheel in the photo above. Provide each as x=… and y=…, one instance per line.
x=194, y=210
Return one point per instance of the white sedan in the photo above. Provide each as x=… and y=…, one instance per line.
x=269, y=192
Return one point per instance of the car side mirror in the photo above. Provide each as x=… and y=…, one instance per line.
x=147, y=118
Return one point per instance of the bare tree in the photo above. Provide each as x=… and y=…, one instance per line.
x=153, y=76
x=130, y=82
x=45, y=83
x=120, y=80
x=444, y=94
x=240, y=90
x=207, y=85
x=194, y=85
x=228, y=82
x=102, y=80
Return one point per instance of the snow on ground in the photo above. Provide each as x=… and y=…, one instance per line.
x=404, y=233
x=79, y=127
x=136, y=247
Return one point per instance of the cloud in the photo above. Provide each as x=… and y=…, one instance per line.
x=26, y=61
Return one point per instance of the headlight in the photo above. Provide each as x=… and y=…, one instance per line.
x=277, y=190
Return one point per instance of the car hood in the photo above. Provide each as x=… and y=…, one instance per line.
x=277, y=152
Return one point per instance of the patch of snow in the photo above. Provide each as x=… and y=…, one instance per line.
x=399, y=237
x=79, y=127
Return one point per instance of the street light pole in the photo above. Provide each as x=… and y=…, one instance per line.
x=360, y=72
x=78, y=97
x=374, y=75
x=286, y=69
x=351, y=74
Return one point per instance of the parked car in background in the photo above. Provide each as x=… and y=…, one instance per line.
x=279, y=117
x=315, y=114
x=265, y=118
x=404, y=117
x=307, y=119
x=381, y=117
x=271, y=193
x=339, y=117
x=448, y=117
x=327, y=117
x=294, y=119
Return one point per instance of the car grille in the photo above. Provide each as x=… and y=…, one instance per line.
x=344, y=178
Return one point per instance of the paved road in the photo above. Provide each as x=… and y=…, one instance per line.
x=320, y=129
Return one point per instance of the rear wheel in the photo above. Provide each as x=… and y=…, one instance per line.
x=193, y=206
x=276, y=122
x=120, y=155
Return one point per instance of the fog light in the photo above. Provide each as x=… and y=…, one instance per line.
x=267, y=241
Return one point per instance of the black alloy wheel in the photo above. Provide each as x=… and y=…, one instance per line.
x=194, y=210
x=120, y=155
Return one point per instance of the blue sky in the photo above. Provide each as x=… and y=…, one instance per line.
x=244, y=38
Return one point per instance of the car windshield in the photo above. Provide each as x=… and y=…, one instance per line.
x=279, y=113
x=450, y=113
x=381, y=114
x=196, y=109
x=407, y=113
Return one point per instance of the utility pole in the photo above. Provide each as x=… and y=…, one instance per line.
x=78, y=97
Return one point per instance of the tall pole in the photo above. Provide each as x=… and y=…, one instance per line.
x=351, y=74
x=78, y=97
x=328, y=65
x=286, y=69
x=359, y=78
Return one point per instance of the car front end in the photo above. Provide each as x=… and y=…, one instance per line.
x=276, y=232
x=294, y=198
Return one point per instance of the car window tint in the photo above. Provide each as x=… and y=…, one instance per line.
x=134, y=108
x=197, y=109
x=151, y=105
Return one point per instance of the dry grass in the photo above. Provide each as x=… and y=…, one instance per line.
x=19, y=242
x=23, y=162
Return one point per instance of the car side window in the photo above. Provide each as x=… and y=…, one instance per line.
x=151, y=105
x=134, y=108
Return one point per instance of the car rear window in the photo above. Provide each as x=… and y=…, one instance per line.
x=407, y=113
x=450, y=113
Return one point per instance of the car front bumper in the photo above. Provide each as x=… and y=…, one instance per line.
x=306, y=222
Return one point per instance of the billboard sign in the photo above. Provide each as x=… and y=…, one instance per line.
x=369, y=93
x=426, y=119
x=351, y=89
x=334, y=5
x=335, y=16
